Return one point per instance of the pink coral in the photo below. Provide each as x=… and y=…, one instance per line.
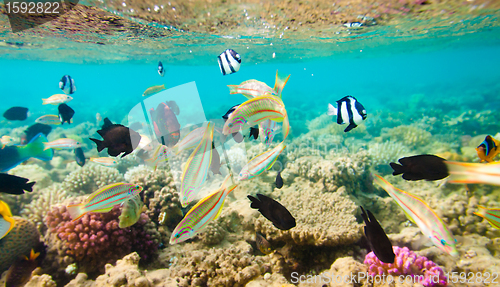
x=408, y=263
x=95, y=239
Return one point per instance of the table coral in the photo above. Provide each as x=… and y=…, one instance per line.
x=19, y=242
x=90, y=178
x=96, y=239
x=323, y=218
x=408, y=263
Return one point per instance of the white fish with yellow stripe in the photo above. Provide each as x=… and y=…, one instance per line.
x=49, y=120
x=260, y=163
x=57, y=99
x=196, y=169
x=64, y=143
x=104, y=199
x=204, y=212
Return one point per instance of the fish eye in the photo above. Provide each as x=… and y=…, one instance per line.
x=443, y=242
x=230, y=125
x=177, y=235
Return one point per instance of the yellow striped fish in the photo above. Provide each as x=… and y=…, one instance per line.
x=255, y=111
x=490, y=214
x=104, y=199
x=105, y=161
x=204, y=212
x=64, y=143
x=196, y=169
x=161, y=155
x=260, y=163
x=251, y=89
x=49, y=120
x=462, y=172
x=423, y=216
x=191, y=140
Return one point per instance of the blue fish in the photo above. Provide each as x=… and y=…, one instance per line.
x=11, y=156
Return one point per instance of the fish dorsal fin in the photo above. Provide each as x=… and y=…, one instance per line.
x=409, y=217
x=107, y=123
x=101, y=190
x=103, y=210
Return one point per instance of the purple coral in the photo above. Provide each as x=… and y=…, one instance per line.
x=95, y=239
x=408, y=263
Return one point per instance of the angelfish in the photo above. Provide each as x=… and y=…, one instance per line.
x=196, y=169
x=260, y=163
x=419, y=212
x=205, y=211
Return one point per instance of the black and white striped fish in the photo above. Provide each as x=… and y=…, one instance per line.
x=67, y=84
x=161, y=70
x=229, y=62
x=348, y=110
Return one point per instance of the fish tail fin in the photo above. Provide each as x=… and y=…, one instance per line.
x=36, y=148
x=76, y=211
x=461, y=172
x=6, y=225
x=493, y=219
x=350, y=127
x=255, y=202
x=398, y=169
x=233, y=89
x=45, y=101
x=382, y=182
x=100, y=144
x=280, y=83
x=29, y=186
x=286, y=127
x=332, y=111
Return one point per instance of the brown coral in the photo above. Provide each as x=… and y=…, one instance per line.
x=19, y=242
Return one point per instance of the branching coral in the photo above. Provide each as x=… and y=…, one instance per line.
x=96, y=239
x=411, y=136
x=386, y=152
x=407, y=262
x=90, y=177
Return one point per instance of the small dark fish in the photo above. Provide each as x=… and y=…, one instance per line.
x=254, y=132
x=14, y=184
x=215, y=164
x=425, y=166
x=279, y=180
x=230, y=111
x=79, y=156
x=377, y=239
x=161, y=70
x=67, y=84
x=20, y=272
x=65, y=113
x=273, y=211
x=34, y=130
x=117, y=138
x=262, y=244
x=16, y=114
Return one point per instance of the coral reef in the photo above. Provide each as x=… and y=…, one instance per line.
x=386, y=152
x=96, y=239
x=233, y=266
x=19, y=242
x=90, y=178
x=407, y=263
x=410, y=135
x=323, y=218
x=35, y=173
x=36, y=210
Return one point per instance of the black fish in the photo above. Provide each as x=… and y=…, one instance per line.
x=16, y=114
x=215, y=164
x=425, y=166
x=117, y=138
x=377, y=239
x=65, y=113
x=273, y=211
x=279, y=180
x=230, y=111
x=34, y=130
x=254, y=131
x=79, y=156
x=14, y=184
